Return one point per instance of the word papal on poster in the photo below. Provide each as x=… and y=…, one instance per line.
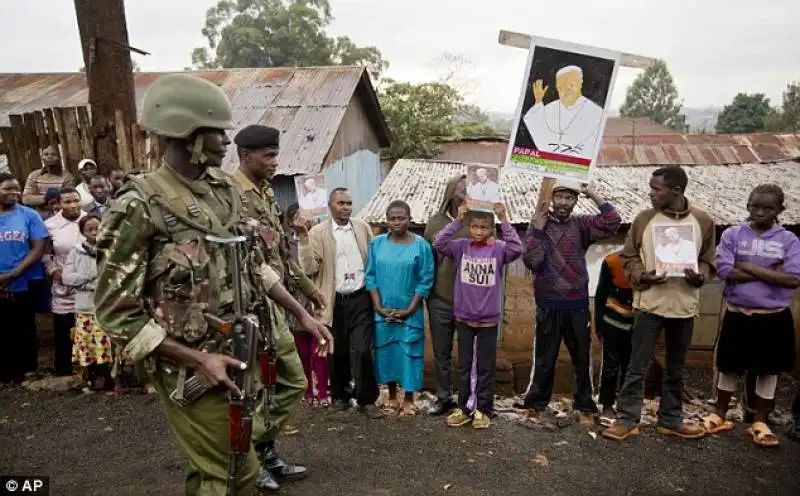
x=562, y=109
x=312, y=197
x=483, y=188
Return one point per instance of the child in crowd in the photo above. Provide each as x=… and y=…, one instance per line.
x=613, y=319
x=91, y=348
x=480, y=261
x=760, y=264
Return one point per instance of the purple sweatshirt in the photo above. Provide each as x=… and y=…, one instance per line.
x=478, y=271
x=774, y=247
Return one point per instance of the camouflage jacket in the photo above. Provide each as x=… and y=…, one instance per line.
x=260, y=204
x=158, y=276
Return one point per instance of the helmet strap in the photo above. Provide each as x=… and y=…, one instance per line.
x=196, y=150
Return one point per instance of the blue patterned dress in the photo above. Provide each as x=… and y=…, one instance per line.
x=399, y=271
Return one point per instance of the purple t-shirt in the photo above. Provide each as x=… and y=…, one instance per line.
x=774, y=247
x=478, y=271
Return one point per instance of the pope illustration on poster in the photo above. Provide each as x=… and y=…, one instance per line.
x=562, y=109
x=312, y=196
x=483, y=187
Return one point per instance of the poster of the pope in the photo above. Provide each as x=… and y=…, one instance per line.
x=312, y=197
x=562, y=109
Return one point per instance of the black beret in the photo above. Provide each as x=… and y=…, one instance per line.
x=256, y=137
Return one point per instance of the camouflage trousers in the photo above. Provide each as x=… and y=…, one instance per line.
x=289, y=390
x=202, y=433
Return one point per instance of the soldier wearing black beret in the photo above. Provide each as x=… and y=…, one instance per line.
x=257, y=148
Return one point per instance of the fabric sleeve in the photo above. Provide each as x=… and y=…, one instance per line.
x=630, y=256
x=601, y=294
x=446, y=242
x=123, y=256
x=513, y=245
x=73, y=275
x=310, y=254
x=426, y=269
x=371, y=277
x=726, y=256
x=602, y=226
x=36, y=227
x=791, y=257
x=30, y=194
x=534, y=249
x=707, y=261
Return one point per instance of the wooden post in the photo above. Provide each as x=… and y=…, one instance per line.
x=41, y=132
x=74, y=154
x=109, y=71
x=138, y=147
x=58, y=118
x=121, y=132
x=52, y=132
x=26, y=164
x=87, y=144
x=13, y=154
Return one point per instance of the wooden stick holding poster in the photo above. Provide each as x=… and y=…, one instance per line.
x=587, y=75
x=312, y=197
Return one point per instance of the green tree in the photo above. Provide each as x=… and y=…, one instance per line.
x=418, y=115
x=278, y=33
x=790, y=117
x=472, y=122
x=746, y=114
x=653, y=95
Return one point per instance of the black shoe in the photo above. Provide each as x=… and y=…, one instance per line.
x=266, y=482
x=282, y=470
x=340, y=405
x=371, y=411
x=441, y=407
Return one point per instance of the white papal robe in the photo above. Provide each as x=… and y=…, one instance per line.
x=488, y=191
x=556, y=128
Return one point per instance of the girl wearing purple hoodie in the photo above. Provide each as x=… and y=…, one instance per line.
x=760, y=263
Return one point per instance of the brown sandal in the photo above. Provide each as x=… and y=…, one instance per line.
x=713, y=423
x=408, y=410
x=762, y=435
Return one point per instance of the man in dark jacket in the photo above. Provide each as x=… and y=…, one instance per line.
x=440, y=302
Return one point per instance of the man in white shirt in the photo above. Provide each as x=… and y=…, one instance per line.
x=334, y=255
x=568, y=125
x=484, y=189
x=87, y=169
x=314, y=198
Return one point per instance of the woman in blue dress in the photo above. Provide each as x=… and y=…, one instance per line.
x=399, y=277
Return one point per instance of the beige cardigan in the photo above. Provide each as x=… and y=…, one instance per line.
x=317, y=254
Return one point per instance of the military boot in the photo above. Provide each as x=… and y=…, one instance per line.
x=275, y=470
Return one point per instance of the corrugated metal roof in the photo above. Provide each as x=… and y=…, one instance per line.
x=671, y=149
x=307, y=104
x=722, y=190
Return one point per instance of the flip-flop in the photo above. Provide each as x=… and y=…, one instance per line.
x=606, y=421
x=762, y=435
x=713, y=423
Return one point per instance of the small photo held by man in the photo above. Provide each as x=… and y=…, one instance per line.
x=312, y=197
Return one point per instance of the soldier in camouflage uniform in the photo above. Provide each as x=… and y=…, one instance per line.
x=158, y=277
x=257, y=147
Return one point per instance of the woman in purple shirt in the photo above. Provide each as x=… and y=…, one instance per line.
x=760, y=263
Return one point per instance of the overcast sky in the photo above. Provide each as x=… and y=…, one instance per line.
x=714, y=48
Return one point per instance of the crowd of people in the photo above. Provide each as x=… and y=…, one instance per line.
x=47, y=266
x=126, y=267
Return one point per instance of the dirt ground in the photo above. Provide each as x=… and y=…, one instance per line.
x=100, y=445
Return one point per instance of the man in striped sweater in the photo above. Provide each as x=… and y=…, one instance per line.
x=556, y=245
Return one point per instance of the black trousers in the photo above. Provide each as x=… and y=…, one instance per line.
x=479, y=343
x=616, y=357
x=62, y=337
x=796, y=404
x=353, y=331
x=551, y=327
x=18, y=351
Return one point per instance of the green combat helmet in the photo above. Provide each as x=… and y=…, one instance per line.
x=176, y=105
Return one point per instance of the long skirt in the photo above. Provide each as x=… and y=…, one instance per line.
x=399, y=355
x=90, y=345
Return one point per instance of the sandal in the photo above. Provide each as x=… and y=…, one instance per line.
x=762, y=435
x=408, y=411
x=391, y=407
x=713, y=423
x=607, y=421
